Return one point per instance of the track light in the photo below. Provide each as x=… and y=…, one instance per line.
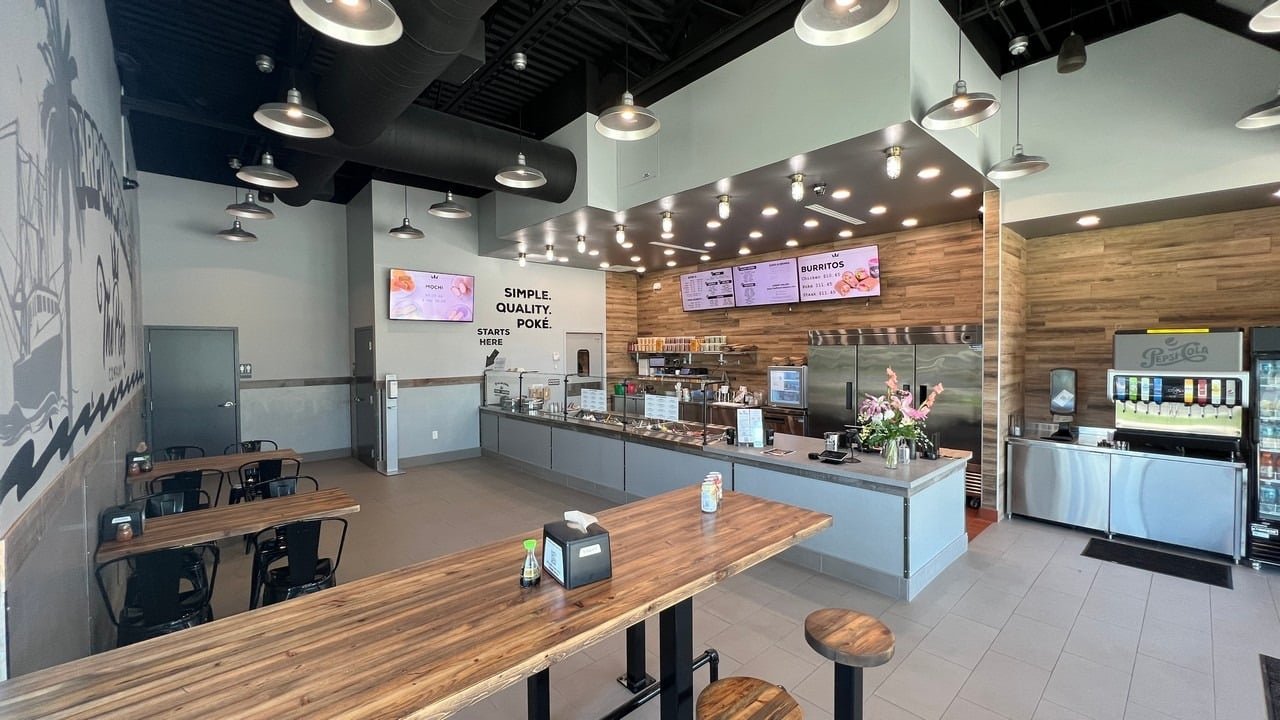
x=293, y=118
x=1071, y=57
x=266, y=174
x=620, y=234
x=723, y=207
x=449, y=208
x=797, y=187
x=582, y=244
x=551, y=251
x=893, y=162
x=520, y=175
x=667, y=224
x=359, y=22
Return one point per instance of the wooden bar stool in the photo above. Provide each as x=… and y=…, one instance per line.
x=746, y=698
x=854, y=641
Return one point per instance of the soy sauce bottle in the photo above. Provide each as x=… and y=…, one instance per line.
x=531, y=574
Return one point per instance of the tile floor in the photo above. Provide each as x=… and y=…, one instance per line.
x=1020, y=627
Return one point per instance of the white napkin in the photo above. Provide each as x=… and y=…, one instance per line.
x=578, y=520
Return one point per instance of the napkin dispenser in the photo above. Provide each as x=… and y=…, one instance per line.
x=575, y=551
x=113, y=517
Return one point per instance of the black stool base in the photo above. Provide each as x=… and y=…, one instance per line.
x=848, y=692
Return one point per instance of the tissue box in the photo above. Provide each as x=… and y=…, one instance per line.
x=576, y=557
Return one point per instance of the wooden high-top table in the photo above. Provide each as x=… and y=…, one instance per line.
x=223, y=463
x=429, y=639
x=216, y=523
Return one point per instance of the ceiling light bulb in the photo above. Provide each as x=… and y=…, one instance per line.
x=359, y=22
x=841, y=194
x=522, y=260
x=563, y=259
x=722, y=208
x=704, y=257
x=797, y=187
x=593, y=252
x=811, y=223
x=582, y=244
x=928, y=173
x=910, y=222
x=635, y=258
x=1088, y=220
x=640, y=270
x=769, y=211
x=893, y=162
x=668, y=251
x=713, y=224
x=628, y=245
x=878, y=210
x=845, y=233
x=520, y=175
x=604, y=265
x=668, y=235
x=962, y=192
x=712, y=243
x=744, y=251
x=755, y=234
x=551, y=252
x=667, y=224
x=671, y=263
x=620, y=233
x=793, y=243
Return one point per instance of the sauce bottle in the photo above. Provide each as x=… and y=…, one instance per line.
x=531, y=573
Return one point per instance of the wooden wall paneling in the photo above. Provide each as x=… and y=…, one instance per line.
x=991, y=445
x=1214, y=270
x=619, y=321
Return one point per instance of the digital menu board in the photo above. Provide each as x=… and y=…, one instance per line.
x=841, y=274
x=418, y=295
x=766, y=283
x=707, y=290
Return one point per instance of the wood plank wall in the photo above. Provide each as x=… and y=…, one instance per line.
x=1004, y=331
x=619, y=322
x=1209, y=271
x=930, y=276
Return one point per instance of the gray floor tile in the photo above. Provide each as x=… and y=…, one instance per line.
x=1005, y=685
x=1066, y=578
x=1103, y=643
x=987, y=605
x=877, y=708
x=818, y=688
x=1175, y=644
x=1052, y=711
x=962, y=709
x=1171, y=689
x=1137, y=712
x=960, y=640
x=778, y=667
x=1116, y=608
x=1123, y=579
x=739, y=643
x=1052, y=607
x=924, y=684
x=1031, y=641
x=1093, y=690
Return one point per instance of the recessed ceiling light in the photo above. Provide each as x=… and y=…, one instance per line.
x=640, y=269
x=910, y=222
x=704, y=257
x=1276, y=193
x=593, y=253
x=604, y=265
x=793, y=242
x=671, y=263
x=563, y=258
x=668, y=251
x=928, y=173
x=635, y=258
x=628, y=245
x=713, y=224
x=811, y=223
x=878, y=210
x=961, y=192
x=841, y=194
x=845, y=233
x=1088, y=220
x=982, y=208
x=668, y=235
x=744, y=251
x=769, y=211
x=755, y=234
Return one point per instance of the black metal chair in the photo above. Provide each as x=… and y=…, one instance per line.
x=181, y=452
x=174, y=502
x=159, y=596
x=250, y=446
x=189, y=481
x=266, y=549
x=253, y=474
x=304, y=571
x=282, y=486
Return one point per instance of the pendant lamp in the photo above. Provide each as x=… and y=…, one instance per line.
x=1265, y=115
x=838, y=22
x=449, y=209
x=520, y=175
x=628, y=121
x=406, y=231
x=1267, y=20
x=963, y=108
x=293, y=118
x=236, y=233
x=1017, y=165
x=249, y=209
x=359, y=22
x=1072, y=56
x=266, y=174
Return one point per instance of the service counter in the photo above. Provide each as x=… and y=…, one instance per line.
x=893, y=531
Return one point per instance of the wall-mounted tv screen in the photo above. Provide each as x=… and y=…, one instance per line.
x=766, y=283
x=707, y=290
x=841, y=274
x=425, y=295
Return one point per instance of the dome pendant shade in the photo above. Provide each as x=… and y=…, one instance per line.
x=1072, y=56
x=1267, y=20
x=1265, y=115
x=293, y=118
x=449, y=209
x=961, y=109
x=406, y=231
x=236, y=233
x=838, y=22
x=520, y=175
x=628, y=121
x=359, y=22
x=250, y=210
x=267, y=174
x=1017, y=165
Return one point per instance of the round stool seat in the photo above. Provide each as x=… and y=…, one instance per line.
x=849, y=637
x=746, y=698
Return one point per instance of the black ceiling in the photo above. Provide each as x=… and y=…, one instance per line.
x=191, y=85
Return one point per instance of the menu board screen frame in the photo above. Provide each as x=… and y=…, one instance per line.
x=795, y=279
x=848, y=274
x=712, y=303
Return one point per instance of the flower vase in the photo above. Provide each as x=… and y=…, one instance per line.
x=891, y=453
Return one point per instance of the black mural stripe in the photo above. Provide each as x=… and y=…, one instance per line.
x=23, y=474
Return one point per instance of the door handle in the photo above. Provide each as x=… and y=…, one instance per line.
x=848, y=396
x=227, y=404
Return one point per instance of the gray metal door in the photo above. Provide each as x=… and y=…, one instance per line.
x=873, y=360
x=192, y=388
x=584, y=354
x=957, y=414
x=364, y=398
x=831, y=400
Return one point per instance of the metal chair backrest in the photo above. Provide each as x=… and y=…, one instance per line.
x=191, y=481
x=155, y=586
x=283, y=486
x=182, y=452
x=250, y=446
x=302, y=540
x=173, y=502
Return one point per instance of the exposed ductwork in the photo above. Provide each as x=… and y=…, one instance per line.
x=368, y=96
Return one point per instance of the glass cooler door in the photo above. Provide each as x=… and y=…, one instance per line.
x=1267, y=437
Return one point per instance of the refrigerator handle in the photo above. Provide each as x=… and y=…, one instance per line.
x=924, y=393
x=848, y=396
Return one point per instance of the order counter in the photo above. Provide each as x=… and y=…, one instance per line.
x=893, y=530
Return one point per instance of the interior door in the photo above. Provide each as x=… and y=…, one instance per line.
x=192, y=388
x=584, y=354
x=364, y=398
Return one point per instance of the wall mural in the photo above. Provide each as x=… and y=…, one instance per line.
x=69, y=263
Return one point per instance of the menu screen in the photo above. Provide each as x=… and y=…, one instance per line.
x=766, y=283
x=848, y=273
x=707, y=290
x=417, y=295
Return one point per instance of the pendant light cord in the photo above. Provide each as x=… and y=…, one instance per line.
x=1017, y=109
x=959, y=40
x=406, y=201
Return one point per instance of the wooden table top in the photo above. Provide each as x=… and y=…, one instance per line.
x=225, y=463
x=422, y=641
x=226, y=521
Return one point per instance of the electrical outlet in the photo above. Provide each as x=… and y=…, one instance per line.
x=435, y=434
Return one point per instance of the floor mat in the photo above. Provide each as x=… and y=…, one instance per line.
x=1271, y=685
x=1204, y=571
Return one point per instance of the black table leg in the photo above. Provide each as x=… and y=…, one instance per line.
x=539, y=687
x=675, y=655
x=848, y=692
x=636, y=678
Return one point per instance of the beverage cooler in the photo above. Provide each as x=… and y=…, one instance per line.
x=1263, y=540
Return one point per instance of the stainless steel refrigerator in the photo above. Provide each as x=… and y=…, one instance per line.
x=847, y=365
